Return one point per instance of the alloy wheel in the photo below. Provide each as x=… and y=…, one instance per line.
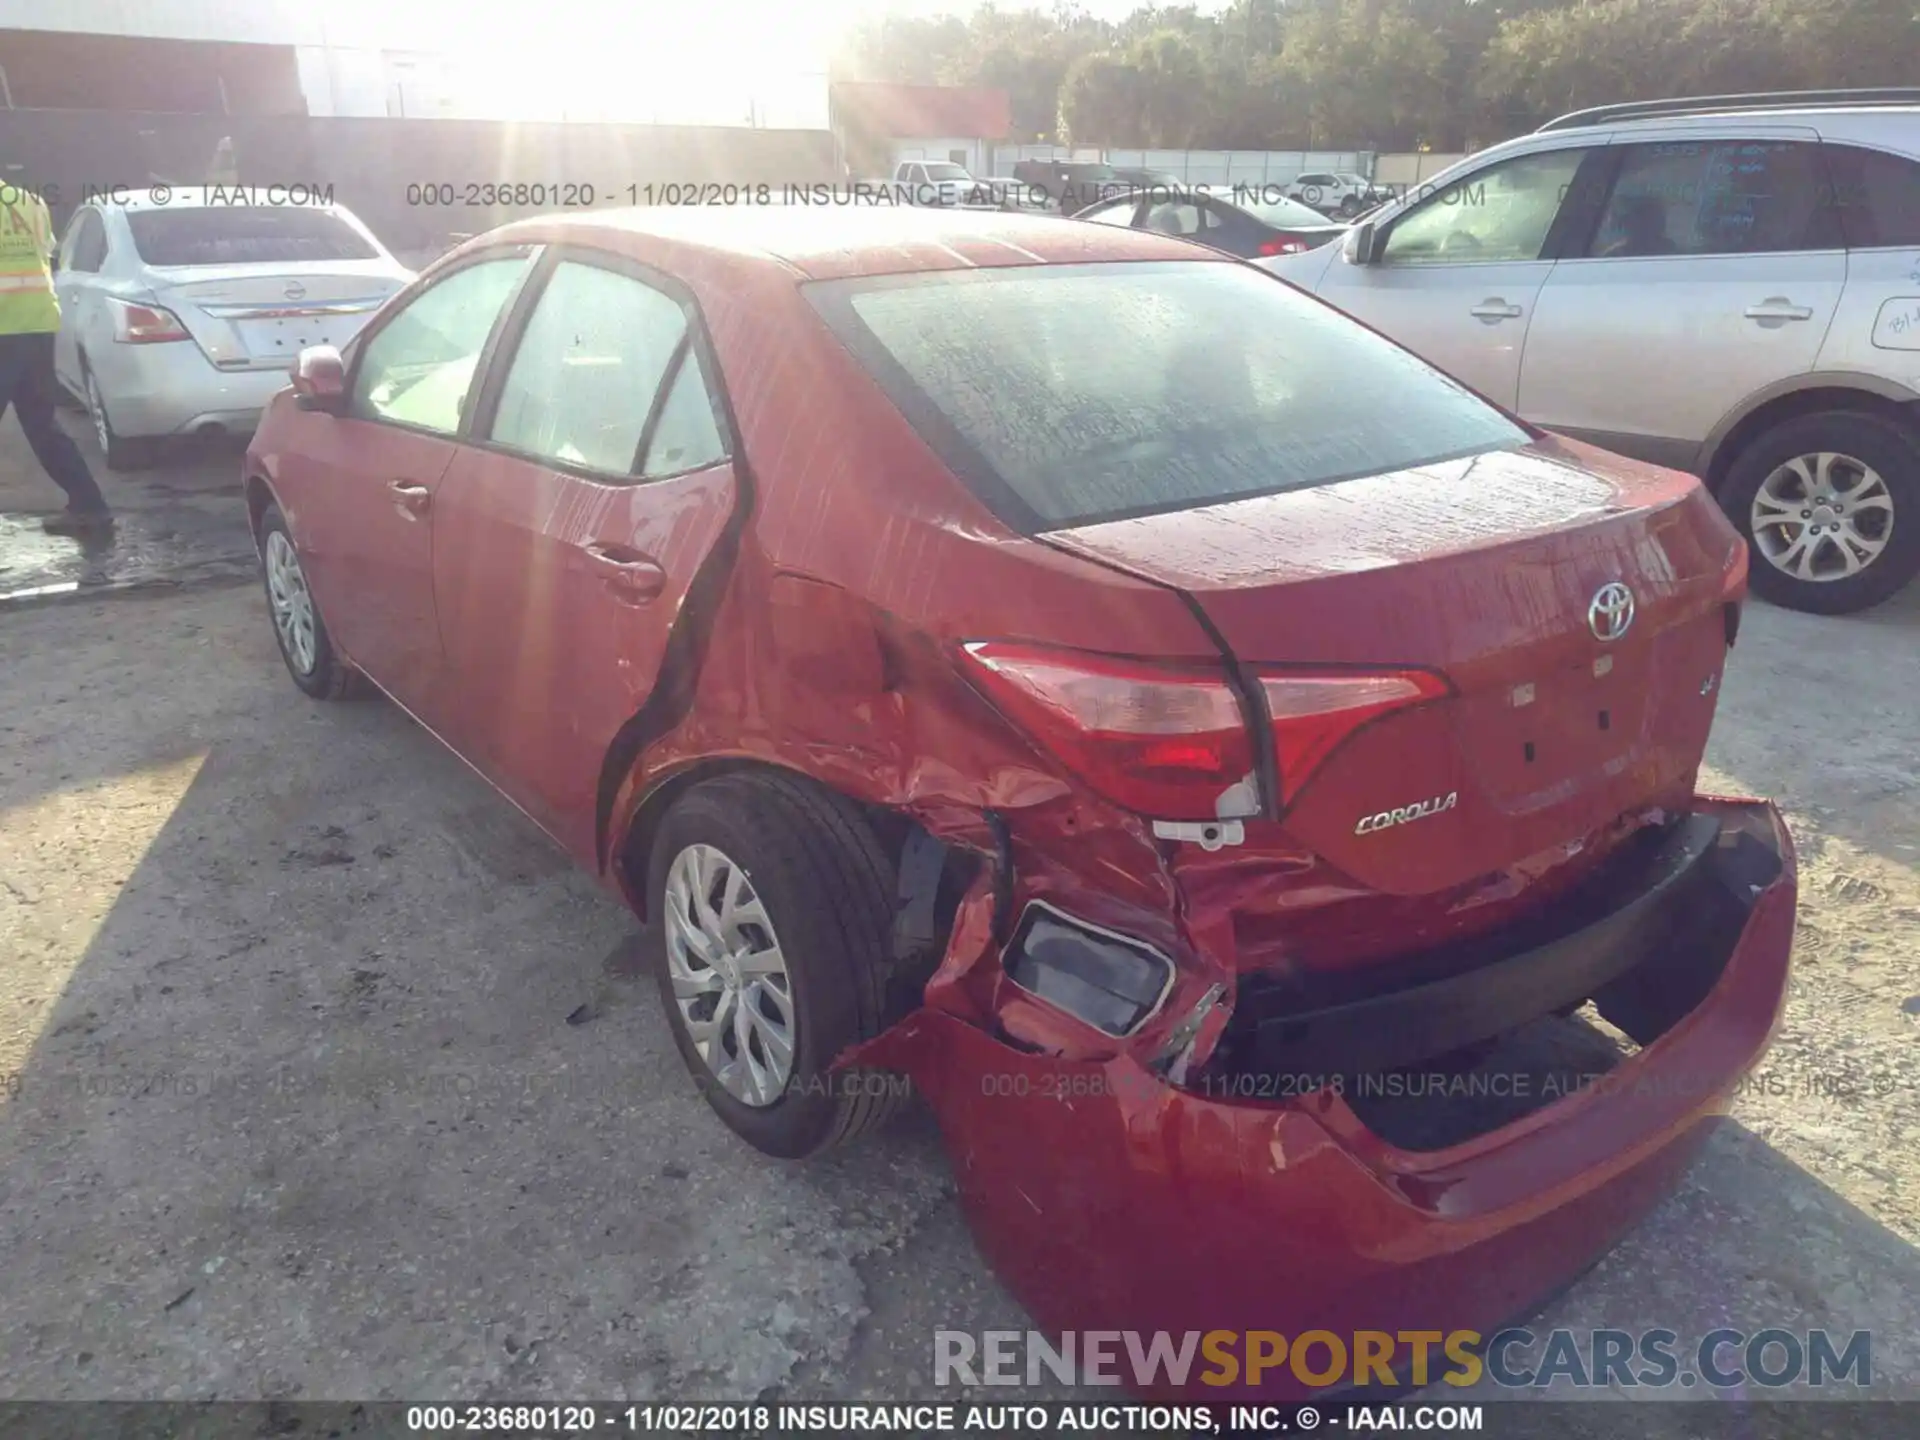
x=729, y=976
x=292, y=604
x=1822, y=517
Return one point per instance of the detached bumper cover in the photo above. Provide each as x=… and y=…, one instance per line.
x=1110, y=1200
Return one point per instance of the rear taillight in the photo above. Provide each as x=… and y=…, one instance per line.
x=1282, y=245
x=1313, y=713
x=145, y=324
x=1168, y=742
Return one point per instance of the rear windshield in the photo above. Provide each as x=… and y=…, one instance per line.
x=245, y=235
x=1071, y=394
x=1278, y=210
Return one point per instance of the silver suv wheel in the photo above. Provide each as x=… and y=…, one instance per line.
x=1822, y=517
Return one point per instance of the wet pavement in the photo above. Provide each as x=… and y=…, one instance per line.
x=181, y=523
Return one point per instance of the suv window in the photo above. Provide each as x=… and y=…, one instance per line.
x=86, y=247
x=585, y=374
x=1072, y=394
x=1878, y=196
x=245, y=235
x=1501, y=213
x=1716, y=197
x=418, y=367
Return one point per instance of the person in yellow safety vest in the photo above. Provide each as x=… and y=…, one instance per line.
x=29, y=316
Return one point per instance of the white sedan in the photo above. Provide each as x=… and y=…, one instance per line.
x=183, y=308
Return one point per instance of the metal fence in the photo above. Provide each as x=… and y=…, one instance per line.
x=1199, y=167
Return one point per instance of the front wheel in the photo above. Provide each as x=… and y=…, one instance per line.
x=1349, y=207
x=1830, y=504
x=772, y=898
x=297, y=626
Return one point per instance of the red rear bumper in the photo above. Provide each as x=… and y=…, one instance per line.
x=1108, y=1200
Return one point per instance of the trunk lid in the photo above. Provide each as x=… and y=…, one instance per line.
x=1488, y=570
x=261, y=316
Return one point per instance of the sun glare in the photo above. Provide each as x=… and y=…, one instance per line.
x=721, y=62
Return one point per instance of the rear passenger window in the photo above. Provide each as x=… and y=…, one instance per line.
x=1178, y=217
x=585, y=374
x=1727, y=197
x=685, y=437
x=1878, y=196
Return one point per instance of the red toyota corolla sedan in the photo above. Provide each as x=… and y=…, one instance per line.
x=1084, y=674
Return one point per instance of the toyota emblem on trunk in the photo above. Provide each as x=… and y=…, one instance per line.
x=295, y=290
x=1611, y=612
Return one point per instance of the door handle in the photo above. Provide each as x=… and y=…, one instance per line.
x=633, y=578
x=1778, y=309
x=410, y=498
x=1493, y=310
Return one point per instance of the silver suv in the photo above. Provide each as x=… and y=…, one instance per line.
x=1728, y=285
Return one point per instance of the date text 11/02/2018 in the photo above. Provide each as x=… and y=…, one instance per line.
x=572, y=195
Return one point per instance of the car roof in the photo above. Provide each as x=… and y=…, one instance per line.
x=1806, y=114
x=839, y=240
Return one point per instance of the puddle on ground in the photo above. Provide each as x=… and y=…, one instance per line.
x=142, y=549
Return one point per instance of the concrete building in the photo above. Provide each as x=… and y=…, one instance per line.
x=877, y=125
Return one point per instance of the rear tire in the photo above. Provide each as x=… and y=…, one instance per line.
x=298, y=629
x=817, y=876
x=1856, y=476
x=119, y=451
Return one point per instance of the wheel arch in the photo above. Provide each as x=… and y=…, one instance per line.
x=1804, y=395
x=260, y=494
x=631, y=851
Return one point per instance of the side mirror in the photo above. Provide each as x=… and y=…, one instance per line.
x=320, y=380
x=1361, y=247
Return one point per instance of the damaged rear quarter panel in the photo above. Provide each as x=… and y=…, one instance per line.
x=830, y=651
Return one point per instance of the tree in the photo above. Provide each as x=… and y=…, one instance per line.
x=1380, y=74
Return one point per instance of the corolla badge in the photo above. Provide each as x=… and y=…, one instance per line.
x=1611, y=612
x=1401, y=815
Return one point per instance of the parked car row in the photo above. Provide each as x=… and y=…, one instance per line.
x=1338, y=192
x=1721, y=286
x=1043, y=660
x=1235, y=221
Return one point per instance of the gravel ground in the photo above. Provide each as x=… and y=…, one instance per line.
x=327, y=1078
